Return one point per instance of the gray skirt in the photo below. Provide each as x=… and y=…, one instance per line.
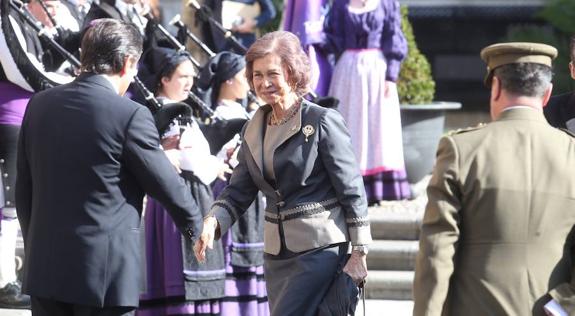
x=296, y=283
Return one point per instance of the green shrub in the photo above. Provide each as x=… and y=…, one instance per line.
x=560, y=16
x=415, y=84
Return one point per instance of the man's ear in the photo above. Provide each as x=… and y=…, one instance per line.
x=572, y=70
x=164, y=80
x=495, y=88
x=547, y=94
x=130, y=64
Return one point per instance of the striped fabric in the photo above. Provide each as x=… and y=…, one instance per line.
x=386, y=186
x=245, y=292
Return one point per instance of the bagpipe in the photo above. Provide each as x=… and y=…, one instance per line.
x=205, y=14
x=17, y=24
x=216, y=131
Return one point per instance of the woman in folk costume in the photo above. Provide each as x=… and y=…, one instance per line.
x=305, y=19
x=225, y=74
x=176, y=283
x=366, y=37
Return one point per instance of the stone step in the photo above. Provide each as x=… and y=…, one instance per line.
x=394, y=225
x=389, y=285
x=392, y=255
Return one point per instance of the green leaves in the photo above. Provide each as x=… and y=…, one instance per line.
x=415, y=84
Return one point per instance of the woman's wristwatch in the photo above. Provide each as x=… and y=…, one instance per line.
x=362, y=249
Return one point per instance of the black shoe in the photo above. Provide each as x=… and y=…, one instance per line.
x=11, y=297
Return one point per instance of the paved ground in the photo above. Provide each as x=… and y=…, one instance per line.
x=14, y=312
x=372, y=307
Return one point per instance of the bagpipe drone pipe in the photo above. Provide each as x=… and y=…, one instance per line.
x=18, y=23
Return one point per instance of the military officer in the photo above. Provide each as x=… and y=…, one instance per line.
x=495, y=238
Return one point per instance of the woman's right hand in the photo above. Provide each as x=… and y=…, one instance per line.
x=206, y=238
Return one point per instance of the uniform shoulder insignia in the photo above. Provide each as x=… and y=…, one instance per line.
x=570, y=133
x=465, y=130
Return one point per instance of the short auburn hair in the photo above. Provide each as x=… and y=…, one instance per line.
x=294, y=60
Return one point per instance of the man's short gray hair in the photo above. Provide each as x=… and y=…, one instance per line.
x=524, y=79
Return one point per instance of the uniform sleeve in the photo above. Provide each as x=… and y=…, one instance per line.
x=340, y=163
x=233, y=202
x=154, y=172
x=393, y=43
x=439, y=233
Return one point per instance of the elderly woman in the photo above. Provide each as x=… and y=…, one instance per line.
x=300, y=156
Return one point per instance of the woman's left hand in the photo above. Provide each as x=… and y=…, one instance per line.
x=356, y=267
x=390, y=87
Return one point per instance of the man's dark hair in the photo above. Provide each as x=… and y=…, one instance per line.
x=524, y=79
x=572, y=49
x=106, y=44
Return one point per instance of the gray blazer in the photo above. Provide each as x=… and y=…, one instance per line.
x=319, y=198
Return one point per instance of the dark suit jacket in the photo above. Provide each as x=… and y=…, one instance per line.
x=560, y=109
x=85, y=158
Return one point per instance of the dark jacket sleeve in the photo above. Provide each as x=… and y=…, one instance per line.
x=337, y=155
x=148, y=163
x=237, y=196
x=23, y=181
x=560, y=109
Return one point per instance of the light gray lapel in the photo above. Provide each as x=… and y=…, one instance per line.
x=253, y=136
x=255, y=131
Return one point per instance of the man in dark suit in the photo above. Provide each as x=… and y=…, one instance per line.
x=85, y=158
x=560, y=111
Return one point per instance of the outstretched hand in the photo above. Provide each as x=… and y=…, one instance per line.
x=206, y=238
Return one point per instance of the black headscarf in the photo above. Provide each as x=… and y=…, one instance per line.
x=224, y=66
x=161, y=62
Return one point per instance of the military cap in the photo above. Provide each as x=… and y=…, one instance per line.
x=513, y=53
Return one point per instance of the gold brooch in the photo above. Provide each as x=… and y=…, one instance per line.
x=307, y=130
